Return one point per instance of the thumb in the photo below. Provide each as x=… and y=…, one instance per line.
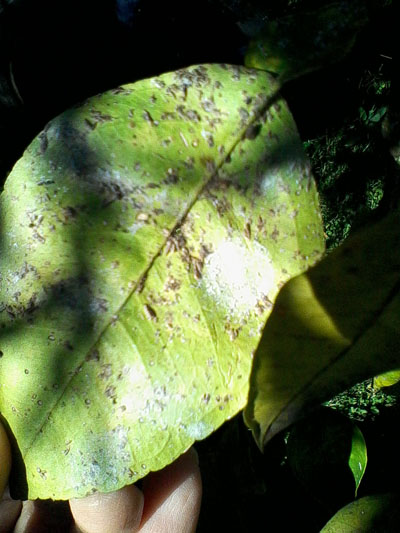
x=5, y=459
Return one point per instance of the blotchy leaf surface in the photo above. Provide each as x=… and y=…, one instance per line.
x=331, y=327
x=145, y=234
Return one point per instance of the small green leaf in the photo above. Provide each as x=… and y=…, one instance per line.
x=358, y=456
x=144, y=237
x=327, y=453
x=371, y=514
x=304, y=42
x=336, y=325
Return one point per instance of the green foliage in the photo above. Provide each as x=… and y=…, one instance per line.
x=373, y=115
x=350, y=161
x=363, y=401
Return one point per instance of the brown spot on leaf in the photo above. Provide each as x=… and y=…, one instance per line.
x=172, y=177
x=150, y=313
x=206, y=398
x=190, y=115
x=247, y=230
x=106, y=371
x=197, y=265
x=69, y=213
x=100, y=117
x=43, y=142
x=121, y=90
x=275, y=234
x=252, y=131
x=93, y=355
x=148, y=118
x=110, y=392
x=68, y=345
x=172, y=284
x=91, y=125
x=160, y=84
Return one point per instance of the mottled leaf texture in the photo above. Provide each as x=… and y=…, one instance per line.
x=331, y=327
x=145, y=234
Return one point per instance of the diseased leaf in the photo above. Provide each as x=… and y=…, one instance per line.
x=297, y=44
x=370, y=514
x=331, y=327
x=327, y=454
x=145, y=234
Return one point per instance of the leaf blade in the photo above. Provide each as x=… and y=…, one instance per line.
x=119, y=217
x=358, y=457
x=370, y=513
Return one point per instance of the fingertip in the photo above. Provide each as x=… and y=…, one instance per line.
x=172, y=497
x=107, y=513
x=9, y=512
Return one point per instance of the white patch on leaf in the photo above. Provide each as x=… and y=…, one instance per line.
x=238, y=275
x=198, y=430
x=101, y=462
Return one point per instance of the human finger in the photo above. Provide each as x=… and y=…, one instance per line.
x=108, y=513
x=43, y=516
x=9, y=512
x=172, y=497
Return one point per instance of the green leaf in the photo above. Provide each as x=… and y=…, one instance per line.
x=367, y=515
x=145, y=234
x=306, y=41
x=327, y=453
x=331, y=327
x=387, y=379
x=358, y=456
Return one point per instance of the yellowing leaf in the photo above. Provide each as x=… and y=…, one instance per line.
x=331, y=327
x=144, y=236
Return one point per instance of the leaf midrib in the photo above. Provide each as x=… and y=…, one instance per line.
x=257, y=115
